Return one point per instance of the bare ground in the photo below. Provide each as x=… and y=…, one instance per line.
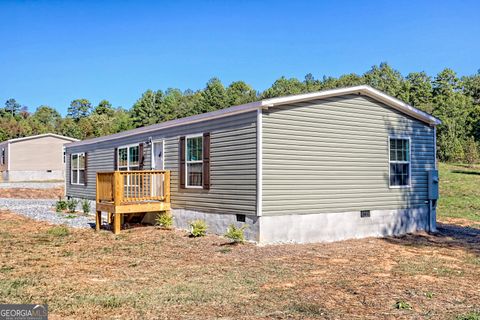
x=151, y=273
x=24, y=193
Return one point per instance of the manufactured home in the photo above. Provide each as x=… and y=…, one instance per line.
x=39, y=158
x=324, y=166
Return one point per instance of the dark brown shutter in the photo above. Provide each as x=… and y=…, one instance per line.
x=206, y=160
x=115, y=159
x=68, y=157
x=181, y=170
x=85, y=170
x=141, y=157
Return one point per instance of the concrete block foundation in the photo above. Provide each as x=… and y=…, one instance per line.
x=217, y=223
x=329, y=227
x=42, y=175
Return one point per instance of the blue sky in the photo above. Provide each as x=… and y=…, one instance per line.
x=52, y=52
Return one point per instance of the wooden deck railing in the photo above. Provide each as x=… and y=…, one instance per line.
x=124, y=187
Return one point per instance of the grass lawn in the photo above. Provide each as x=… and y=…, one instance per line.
x=147, y=273
x=459, y=192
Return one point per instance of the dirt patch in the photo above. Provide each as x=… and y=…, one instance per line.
x=23, y=193
x=148, y=273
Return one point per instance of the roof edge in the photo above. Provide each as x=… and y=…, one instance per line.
x=361, y=89
x=41, y=136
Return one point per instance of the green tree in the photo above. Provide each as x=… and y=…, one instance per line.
x=12, y=107
x=47, y=116
x=69, y=127
x=104, y=107
x=239, y=92
x=79, y=108
x=445, y=83
x=213, y=97
x=146, y=110
x=386, y=79
x=471, y=86
x=284, y=87
x=419, y=90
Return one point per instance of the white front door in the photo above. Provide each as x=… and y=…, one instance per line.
x=157, y=164
x=157, y=155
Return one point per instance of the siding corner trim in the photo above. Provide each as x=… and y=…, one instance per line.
x=259, y=162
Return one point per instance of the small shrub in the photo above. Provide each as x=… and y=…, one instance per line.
x=198, y=228
x=72, y=205
x=86, y=206
x=58, y=231
x=61, y=205
x=236, y=234
x=402, y=305
x=164, y=220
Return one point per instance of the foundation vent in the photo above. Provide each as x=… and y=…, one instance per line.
x=365, y=214
x=240, y=218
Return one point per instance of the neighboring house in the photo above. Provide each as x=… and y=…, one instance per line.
x=33, y=158
x=323, y=166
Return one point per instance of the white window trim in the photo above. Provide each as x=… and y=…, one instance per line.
x=409, y=162
x=78, y=169
x=196, y=161
x=128, y=146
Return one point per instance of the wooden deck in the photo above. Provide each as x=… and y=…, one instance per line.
x=125, y=193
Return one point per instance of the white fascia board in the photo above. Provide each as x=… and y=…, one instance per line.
x=42, y=136
x=364, y=89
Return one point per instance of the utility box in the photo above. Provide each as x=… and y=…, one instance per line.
x=433, y=184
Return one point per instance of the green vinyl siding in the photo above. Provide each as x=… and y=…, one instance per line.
x=331, y=155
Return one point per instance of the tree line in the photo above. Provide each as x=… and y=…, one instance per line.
x=454, y=100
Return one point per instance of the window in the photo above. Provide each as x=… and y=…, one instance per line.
x=399, y=162
x=2, y=159
x=128, y=158
x=194, y=161
x=77, y=165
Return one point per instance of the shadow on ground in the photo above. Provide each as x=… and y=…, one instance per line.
x=448, y=236
x=467, y=172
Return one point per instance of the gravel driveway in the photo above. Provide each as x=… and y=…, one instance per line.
x=43, y=210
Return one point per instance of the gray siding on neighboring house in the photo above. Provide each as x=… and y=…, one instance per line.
x=331, y=155
x=233, y=164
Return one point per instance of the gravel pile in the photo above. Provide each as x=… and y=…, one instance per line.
x=31, y=185
x=43, y=210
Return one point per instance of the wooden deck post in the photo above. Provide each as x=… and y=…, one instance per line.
x=98, y=220
x=166, y=186
x=117, y=199
x=117, y=220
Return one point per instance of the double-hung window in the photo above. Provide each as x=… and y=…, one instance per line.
x=129, y=158
x=77, y=165
x=194, y=161
x=400, y=166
